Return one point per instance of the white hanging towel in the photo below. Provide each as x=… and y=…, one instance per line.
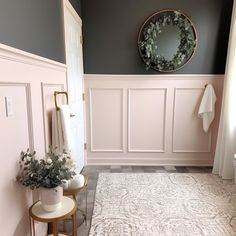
x=207, y=107
x=57, y=138
x=66, y=127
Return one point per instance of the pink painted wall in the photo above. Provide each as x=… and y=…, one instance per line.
x=30, y=81
x=139, y=120
x=149, y=119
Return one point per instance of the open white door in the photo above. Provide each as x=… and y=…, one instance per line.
x=75, y=79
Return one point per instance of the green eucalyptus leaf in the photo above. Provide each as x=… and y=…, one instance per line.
x=35, y=173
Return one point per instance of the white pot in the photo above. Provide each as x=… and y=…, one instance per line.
x=65, y=185
x=51, y=198
x=77, y=181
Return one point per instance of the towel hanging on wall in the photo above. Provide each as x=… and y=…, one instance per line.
x=57, y=138
x=207, y=107
x=61, y=129
x=61, y=126
x=66, y=127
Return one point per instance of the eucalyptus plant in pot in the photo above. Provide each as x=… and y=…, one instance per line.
x=47, y=174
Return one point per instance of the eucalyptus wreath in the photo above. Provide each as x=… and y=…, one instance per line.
x=148, y=41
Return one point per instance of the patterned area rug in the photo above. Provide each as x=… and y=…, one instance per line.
x=130, y=204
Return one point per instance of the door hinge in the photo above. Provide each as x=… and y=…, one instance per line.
x=83, y=96
x=81, y=39
x=85, y=146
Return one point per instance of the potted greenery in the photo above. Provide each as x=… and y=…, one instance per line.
x=47, y=174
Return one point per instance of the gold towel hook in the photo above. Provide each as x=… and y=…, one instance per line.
x=55, y=98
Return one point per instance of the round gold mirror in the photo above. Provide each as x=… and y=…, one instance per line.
x=167, y=41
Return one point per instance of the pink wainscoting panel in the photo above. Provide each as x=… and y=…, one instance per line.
x=159, y=122
x=22, y=76
x=15, y=137
x=146, y=120
x=106, y=120
x=188, y=135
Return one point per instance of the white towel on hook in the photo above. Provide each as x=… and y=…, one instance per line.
x=207, y=107
x=66, y=127
x=57, y=138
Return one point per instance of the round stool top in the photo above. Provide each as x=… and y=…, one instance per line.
x=68, y=207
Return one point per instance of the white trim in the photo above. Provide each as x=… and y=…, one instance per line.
x=152, y=77
x=67, y=4
x=68, y=8
x=106, y=150
x=149, y=161
x=146, y=150
x=156, y=157
x=17, y=55
x=150, y=164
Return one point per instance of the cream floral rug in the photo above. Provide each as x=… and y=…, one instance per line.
x=163, y=204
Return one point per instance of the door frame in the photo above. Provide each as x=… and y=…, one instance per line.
x=67, y=5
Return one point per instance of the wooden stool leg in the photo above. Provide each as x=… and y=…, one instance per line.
x=74, y=221
x=54, y=228
x=64, y=226
x=30, y=224
x=33, y=228
x=86, y=206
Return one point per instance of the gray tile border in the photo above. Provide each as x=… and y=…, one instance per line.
x=170, y=168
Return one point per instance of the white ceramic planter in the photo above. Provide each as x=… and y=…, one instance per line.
x=77, y=182
x=51, y=198
x=65, y=185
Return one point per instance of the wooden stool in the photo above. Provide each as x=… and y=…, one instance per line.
x=67, y=209
x=73, y=193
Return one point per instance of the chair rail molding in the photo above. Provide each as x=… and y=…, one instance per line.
x=17, y=55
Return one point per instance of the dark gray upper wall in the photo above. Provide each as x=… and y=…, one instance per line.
x=34, y=26
x=110, y=30
x=77, y=6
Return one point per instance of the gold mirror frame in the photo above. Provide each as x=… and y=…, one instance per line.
x=154, y=58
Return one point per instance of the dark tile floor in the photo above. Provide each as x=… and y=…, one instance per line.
x=93, y=172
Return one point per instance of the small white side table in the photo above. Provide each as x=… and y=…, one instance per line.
x=68, y=208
